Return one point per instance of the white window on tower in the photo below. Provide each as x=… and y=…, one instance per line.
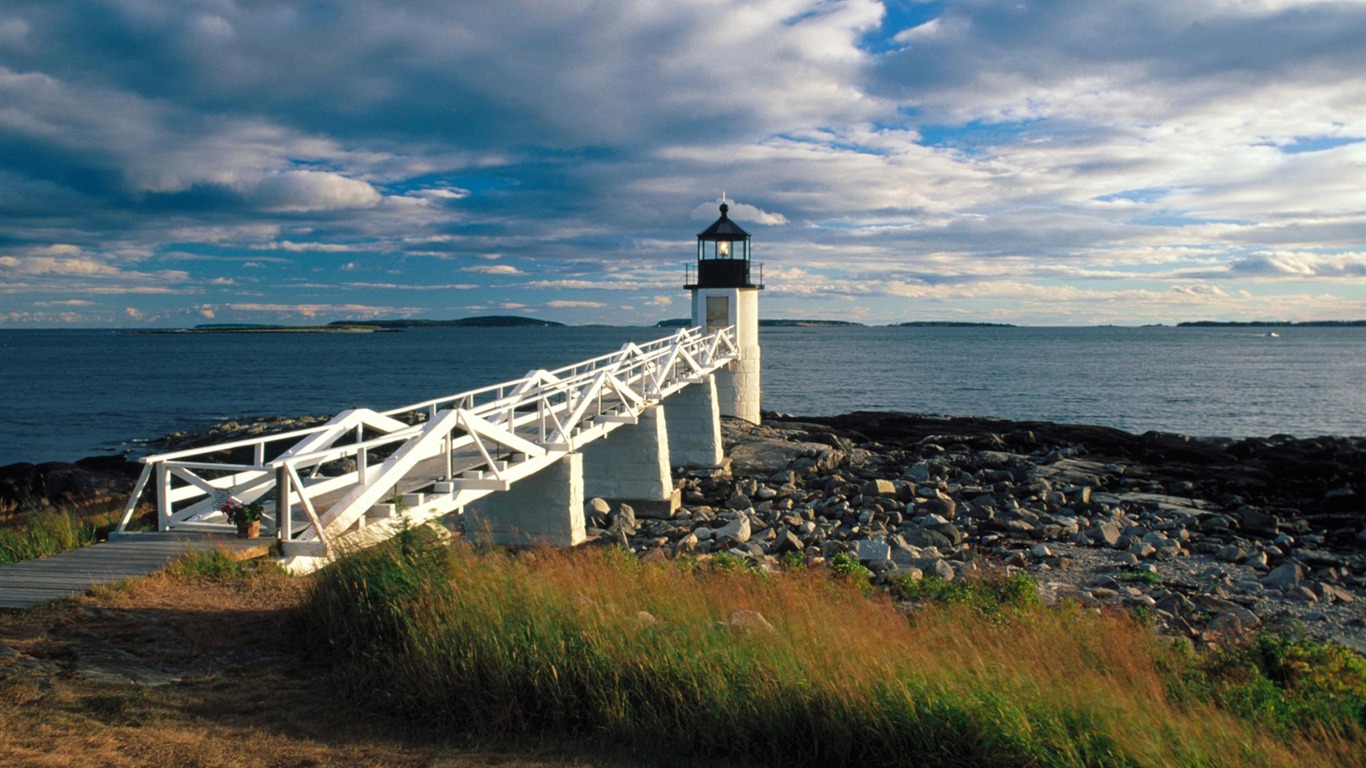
x=718, y=313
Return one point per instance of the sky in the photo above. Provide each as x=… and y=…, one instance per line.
x=166, y=163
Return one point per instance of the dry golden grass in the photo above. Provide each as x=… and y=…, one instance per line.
x=279, y=710
x=556, y=642
x=282, y=708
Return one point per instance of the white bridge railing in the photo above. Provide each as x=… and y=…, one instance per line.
x=320, y=483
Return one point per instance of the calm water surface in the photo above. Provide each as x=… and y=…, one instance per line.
x=67, y=394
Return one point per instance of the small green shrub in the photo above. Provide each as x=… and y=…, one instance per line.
x=725, y=562
x=214, y=565
x=1290, y=682
x=989, y=595
x=1143, y=614
x=1149, y=578
x=848, y=568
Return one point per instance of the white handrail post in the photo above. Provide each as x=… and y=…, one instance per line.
x=132, y=504
x=163, y=497
x=362, y=456
x=282, y=493
x=258, y=454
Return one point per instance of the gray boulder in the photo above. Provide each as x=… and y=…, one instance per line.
x=737, y=531
x=878, y=488
x=768, y=457
x=873, y=549
x=1107, y=534
x=1284, y=576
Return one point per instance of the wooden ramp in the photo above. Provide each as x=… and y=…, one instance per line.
x=76, y=572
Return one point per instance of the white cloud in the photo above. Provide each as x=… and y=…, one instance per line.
x=574, y=304
x=369, y=286
x=493, y=269
x=48, y=265
x=1301, y=265
x=64, y=268
x=1159, y=143
x=1200, y=290
x=295, y=247
x=295, y=191
x=313, y=311
x=738, y=212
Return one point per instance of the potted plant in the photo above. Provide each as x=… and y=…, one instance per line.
x=246, y=515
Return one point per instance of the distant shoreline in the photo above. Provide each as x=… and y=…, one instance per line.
x=1272, y=324
x=272, y=329
x=512, y=321
x=780, y=322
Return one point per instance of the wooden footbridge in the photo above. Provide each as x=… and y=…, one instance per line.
x=511, y=453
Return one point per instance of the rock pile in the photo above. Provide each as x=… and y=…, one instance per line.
x=1209, y=537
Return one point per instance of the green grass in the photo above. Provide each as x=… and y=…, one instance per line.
x=216, y=565
x=34, y=529
x=1288, y=682
x=992, y=595
x=1150, y=578
x=847, y=568
x=560, y=644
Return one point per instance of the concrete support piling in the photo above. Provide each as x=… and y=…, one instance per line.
x=695, y=426
x=631, y=465
x=544, y=508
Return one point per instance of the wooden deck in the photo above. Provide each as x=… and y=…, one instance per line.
x=76, y=572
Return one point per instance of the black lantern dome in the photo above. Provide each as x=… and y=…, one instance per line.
x=723, y=255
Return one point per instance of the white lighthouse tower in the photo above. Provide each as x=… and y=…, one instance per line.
x=724, y=295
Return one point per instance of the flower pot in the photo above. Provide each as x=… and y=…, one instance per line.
x=251, y=530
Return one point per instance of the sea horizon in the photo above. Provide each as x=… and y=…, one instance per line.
x=73, y=394
x=814, y=322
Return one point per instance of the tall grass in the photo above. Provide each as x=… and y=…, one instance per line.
x=597, y=643
x=34, y=529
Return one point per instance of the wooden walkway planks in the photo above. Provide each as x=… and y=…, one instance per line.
x=72, y=573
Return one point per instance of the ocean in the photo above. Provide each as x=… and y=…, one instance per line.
x=66, y=394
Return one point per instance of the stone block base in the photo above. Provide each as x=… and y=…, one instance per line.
x=654, y=509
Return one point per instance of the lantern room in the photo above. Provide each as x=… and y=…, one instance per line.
x=723, y=256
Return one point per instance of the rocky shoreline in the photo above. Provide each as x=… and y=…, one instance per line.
x=1209, y=537
x=106, y=477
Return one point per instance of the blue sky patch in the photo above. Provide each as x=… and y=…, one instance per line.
x=1318, y=143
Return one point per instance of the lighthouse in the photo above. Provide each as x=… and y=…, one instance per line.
x=725, y=294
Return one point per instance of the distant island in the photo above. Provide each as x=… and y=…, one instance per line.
x=786, y=323
x=948, y=324
x=482, y=321
x=367, y=326
x=683, y=322
x=262, y=328
x=1273, y=324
